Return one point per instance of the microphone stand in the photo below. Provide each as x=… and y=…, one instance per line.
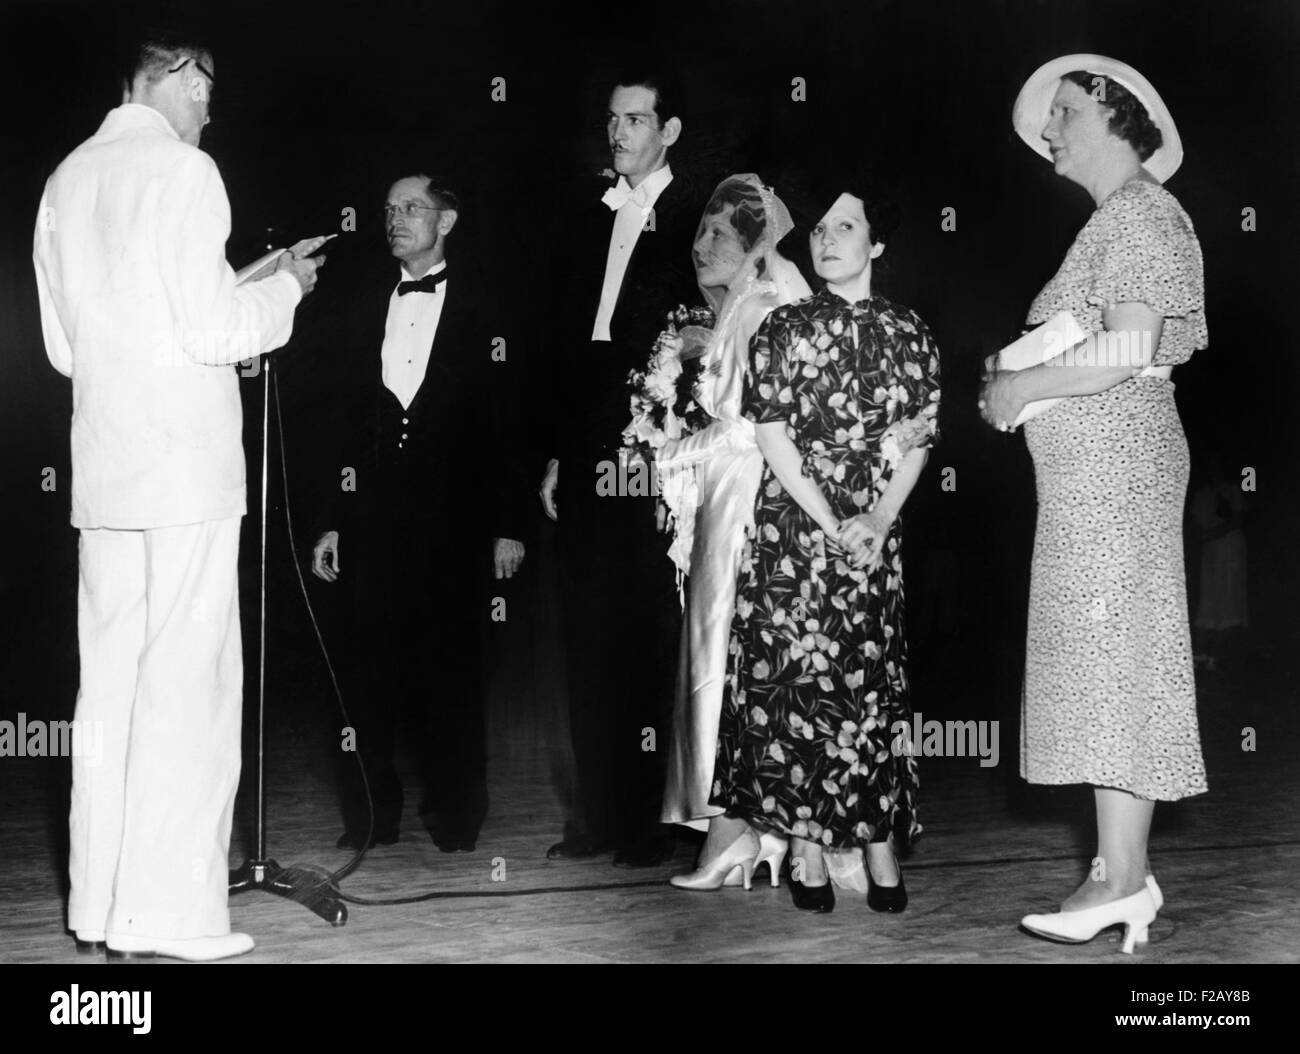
x=308, y=888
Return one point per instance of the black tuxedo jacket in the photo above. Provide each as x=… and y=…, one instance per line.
x=446, y=464
x=589, y=404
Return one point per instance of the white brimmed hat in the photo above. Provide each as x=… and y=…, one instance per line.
x=1034, y=104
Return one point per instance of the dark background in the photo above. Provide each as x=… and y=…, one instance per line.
x=319, y=107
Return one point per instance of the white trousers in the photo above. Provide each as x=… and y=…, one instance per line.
x=162, y=685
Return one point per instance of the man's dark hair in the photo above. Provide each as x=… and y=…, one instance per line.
x=153, y=52
x=1128, y=117
x=670, y=98
x=437, y=188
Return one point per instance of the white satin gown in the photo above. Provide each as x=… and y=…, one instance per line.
x=728, y=467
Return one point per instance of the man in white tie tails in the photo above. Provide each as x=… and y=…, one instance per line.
x=625, y=263
x=140, y=308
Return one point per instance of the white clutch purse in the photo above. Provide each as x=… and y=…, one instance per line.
x=1036, y=347
x=1053, y=337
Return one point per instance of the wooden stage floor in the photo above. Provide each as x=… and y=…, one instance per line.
x=1228, y=861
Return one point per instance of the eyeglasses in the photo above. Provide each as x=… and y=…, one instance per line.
x=408, y=209
x=199, y=92
x=198, y=66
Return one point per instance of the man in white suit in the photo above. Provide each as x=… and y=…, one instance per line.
x=140, y=308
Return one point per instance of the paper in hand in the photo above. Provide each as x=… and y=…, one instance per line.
x=1040, y=345
x=264, y=266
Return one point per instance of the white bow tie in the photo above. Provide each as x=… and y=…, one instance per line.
x=620, y=194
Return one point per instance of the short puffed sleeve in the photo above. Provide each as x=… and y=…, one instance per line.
x=1147, y=253
x=769, y=393
x=917, y=367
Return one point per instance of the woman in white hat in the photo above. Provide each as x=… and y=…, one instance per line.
x=1109, y=697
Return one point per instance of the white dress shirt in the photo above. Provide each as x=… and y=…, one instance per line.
x=628, y=223
x=139, y=307
x=408, y=335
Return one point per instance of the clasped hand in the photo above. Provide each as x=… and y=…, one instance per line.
x=862, y=538
x=999, y=405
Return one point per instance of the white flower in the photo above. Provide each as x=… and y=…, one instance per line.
x=671, y=343
x=660, y=388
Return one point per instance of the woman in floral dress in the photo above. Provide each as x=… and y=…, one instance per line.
x=1109, y=695
x=844, y=395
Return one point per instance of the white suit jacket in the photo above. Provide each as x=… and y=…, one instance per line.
x=139, y=307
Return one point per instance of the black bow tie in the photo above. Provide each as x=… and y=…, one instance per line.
x=427, y=284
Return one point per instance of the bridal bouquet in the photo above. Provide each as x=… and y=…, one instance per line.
x=665, y=405
x=663, y=395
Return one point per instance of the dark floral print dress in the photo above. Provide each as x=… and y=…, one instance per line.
x=816, y=669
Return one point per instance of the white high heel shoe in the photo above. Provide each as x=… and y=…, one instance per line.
x=772, y=849
x=1134, y=913
x=1156, y=895
x=737, y=859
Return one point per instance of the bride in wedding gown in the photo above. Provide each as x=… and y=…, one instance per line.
x=743, y=278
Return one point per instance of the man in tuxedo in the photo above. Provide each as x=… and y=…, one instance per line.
x=628, y=265
x=423, y=487
x=140, y=308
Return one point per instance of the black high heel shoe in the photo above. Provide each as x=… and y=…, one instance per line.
x=820, y=899
x=813, y=898
x=892, y=899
